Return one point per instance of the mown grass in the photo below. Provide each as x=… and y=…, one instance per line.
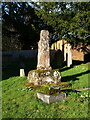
x=19, y=101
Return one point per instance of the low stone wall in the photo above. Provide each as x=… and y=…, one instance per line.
x=16, y=54
x=8, y=57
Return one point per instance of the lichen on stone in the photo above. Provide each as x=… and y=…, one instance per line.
x=44, y=76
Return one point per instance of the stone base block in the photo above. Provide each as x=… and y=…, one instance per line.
x=51, y=98
x=39, y=77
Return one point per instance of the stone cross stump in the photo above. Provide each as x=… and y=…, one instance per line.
x=43, y=51
x=44, y=73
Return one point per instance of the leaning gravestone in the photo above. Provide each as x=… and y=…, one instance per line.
x=44, y=73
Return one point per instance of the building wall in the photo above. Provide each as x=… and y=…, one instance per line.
x=77, y=55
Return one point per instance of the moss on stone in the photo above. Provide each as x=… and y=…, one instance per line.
x=42, y=80
x=42, y=76
x=26, y=84
x=45, y=88
x=61, y=84
x=64, y=84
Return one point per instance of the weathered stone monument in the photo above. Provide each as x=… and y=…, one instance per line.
x=44, y=73
x=43, y=51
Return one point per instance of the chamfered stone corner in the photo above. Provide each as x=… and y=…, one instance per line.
x=51, y=98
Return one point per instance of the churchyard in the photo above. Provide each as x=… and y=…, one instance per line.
x=19, y=101
x=19, y=94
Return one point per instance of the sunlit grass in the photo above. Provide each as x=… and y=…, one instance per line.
x=19, y=101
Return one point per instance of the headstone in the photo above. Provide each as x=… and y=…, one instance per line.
x=69, y=59
x=61, y=45
x=52, y=47
x=55, y=45
x=22, y=73
x=43, y=51
x=65, y=51
x=58, y=44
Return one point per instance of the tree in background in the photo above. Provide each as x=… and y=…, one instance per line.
x=20, y=26
x=69, y=21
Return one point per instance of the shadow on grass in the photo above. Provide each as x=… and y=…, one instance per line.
x=14, y=69
x=70, y=90
x=64, y=67
x=74, y=63
x=73, y=77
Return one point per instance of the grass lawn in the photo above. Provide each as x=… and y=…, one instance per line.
x=19, y=101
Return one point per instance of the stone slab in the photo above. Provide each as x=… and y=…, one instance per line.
x=51, y=98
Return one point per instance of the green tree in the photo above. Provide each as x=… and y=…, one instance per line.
x=20, y=26
x=22, y=22
x=69, y=21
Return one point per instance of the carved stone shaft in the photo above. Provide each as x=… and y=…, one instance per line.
x=43, y=51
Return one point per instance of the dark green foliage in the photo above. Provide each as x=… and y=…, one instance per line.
x=68, y=21
x=20, y=27
x=23, y=21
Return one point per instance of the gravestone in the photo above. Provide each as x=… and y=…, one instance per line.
x=22, y=73
x=65, y=51
x=69, y=58
x=65, y=47
x=44, y=73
